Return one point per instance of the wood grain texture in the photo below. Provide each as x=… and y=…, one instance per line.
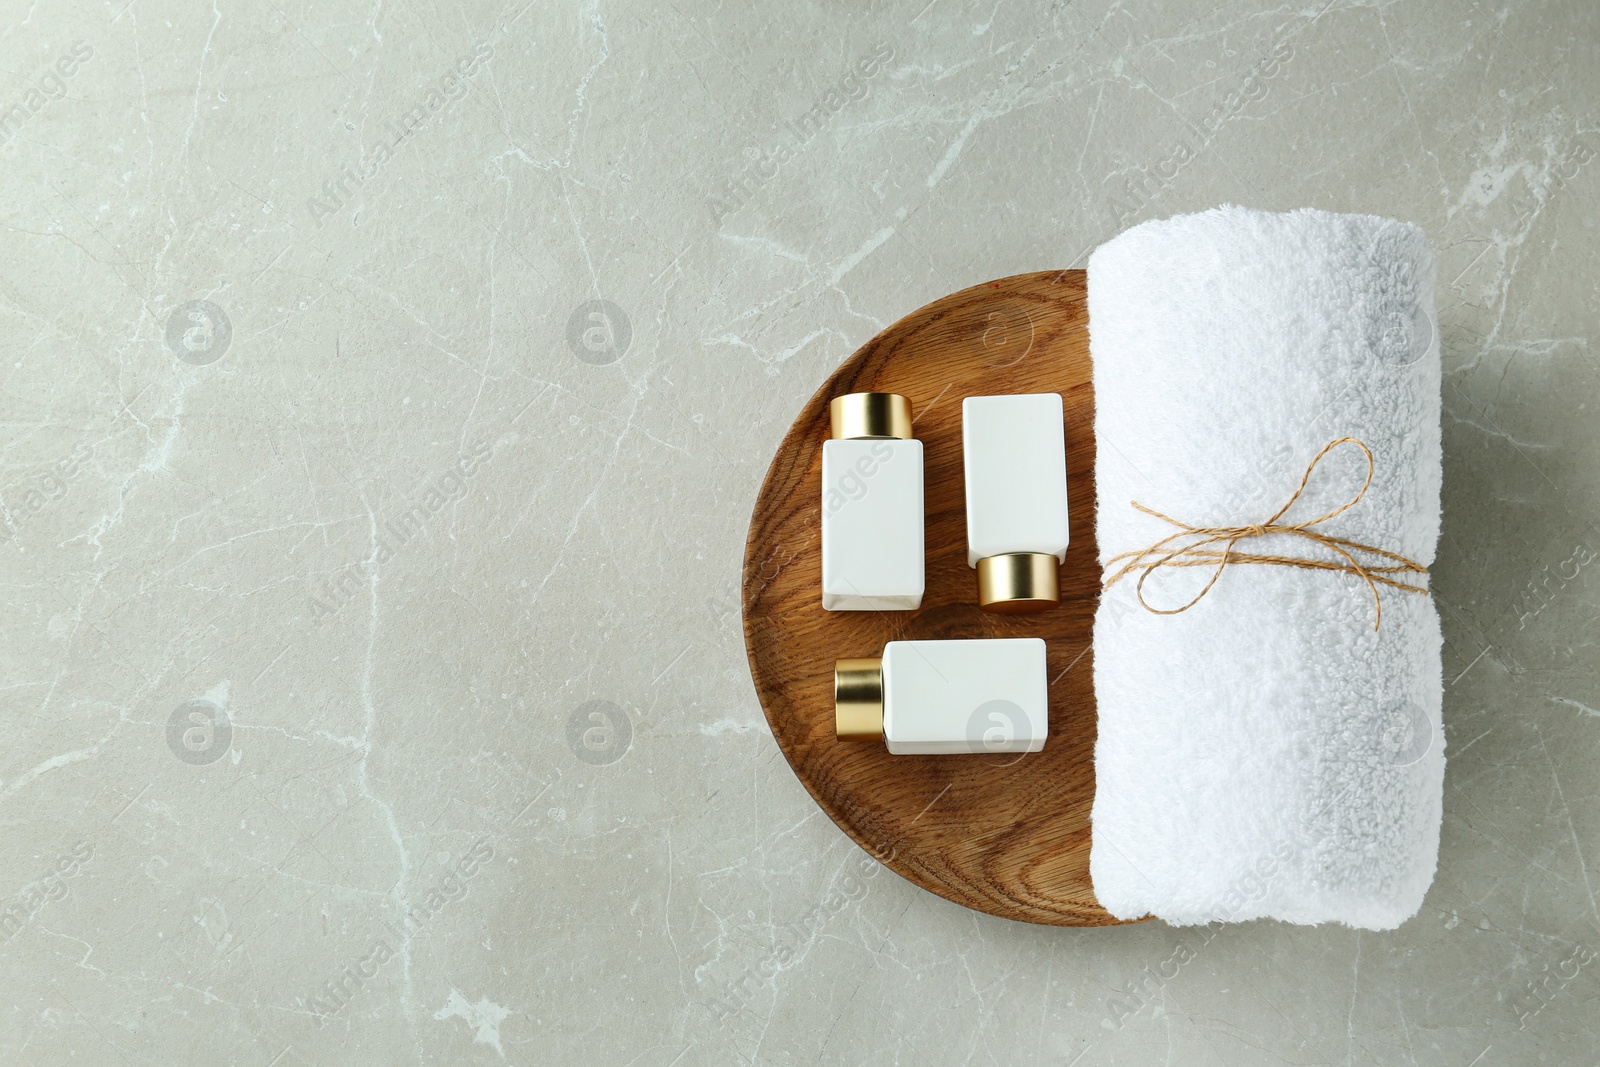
x=1005, y=834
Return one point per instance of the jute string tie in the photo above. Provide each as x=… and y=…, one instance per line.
x=1193, y=546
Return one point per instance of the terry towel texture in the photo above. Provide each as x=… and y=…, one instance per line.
x=1266, y=753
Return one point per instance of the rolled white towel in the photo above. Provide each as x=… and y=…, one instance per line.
x=1266, y=753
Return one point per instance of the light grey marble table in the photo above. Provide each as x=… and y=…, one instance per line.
x=386, y=388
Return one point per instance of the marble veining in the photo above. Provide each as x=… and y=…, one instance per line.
x=386, y=388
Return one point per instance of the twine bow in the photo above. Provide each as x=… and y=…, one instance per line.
x=1193, y=549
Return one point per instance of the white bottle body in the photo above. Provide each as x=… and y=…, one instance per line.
x=872, y=537
x=1014, y=457
x=943, y=697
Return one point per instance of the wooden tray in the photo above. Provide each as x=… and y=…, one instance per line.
x=1005, y=834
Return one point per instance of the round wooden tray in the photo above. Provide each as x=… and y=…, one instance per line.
x=1005, y=834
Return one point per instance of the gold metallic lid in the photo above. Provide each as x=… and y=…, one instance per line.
x=870, y=415
x=1019, y=582
x=858, y=700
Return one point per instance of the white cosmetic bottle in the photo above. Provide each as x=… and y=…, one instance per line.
x=871, y=506
x=1014, y=455
x=928, y=698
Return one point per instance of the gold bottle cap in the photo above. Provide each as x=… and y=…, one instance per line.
x=858, y=700
x=870, y=415
x=1019, y=582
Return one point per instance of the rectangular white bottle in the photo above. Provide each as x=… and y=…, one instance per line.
x=871, y=506
x=1014, y=455
x=944, y=697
